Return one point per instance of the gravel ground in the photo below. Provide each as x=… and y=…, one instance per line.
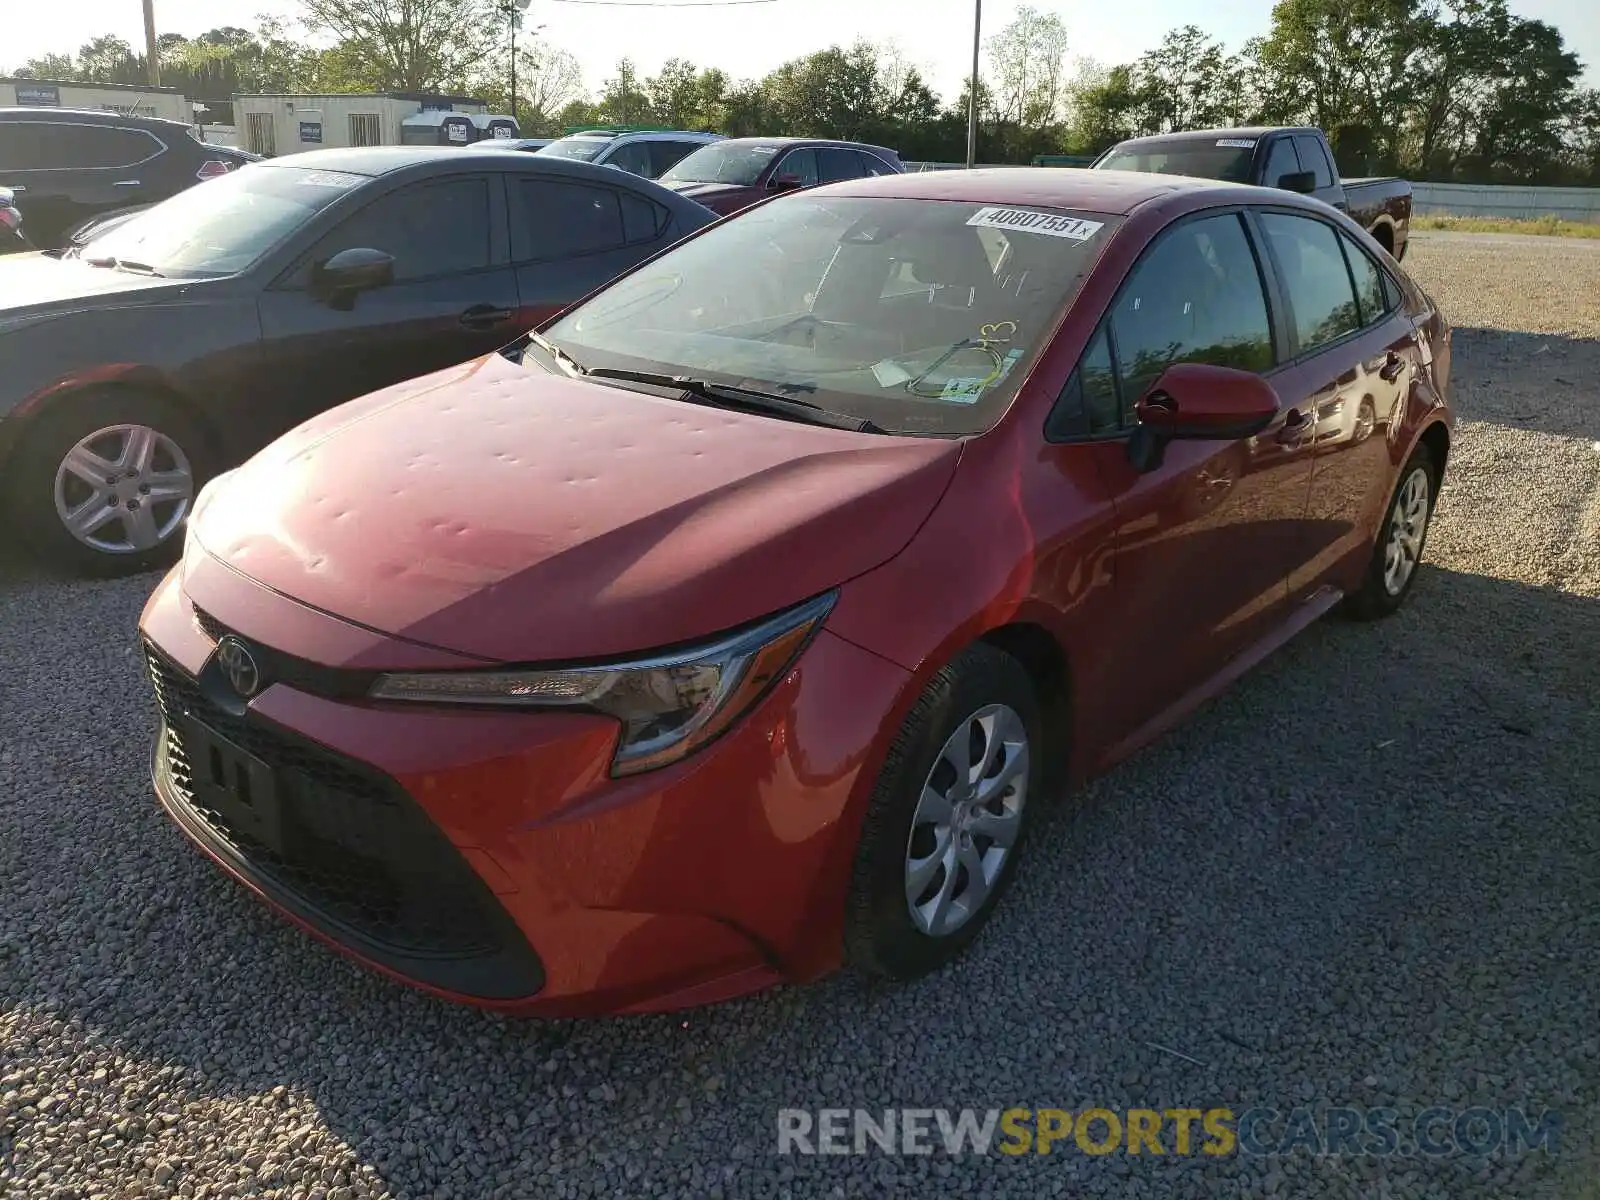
x=1367, y=876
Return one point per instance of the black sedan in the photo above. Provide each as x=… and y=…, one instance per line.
x=181, y=340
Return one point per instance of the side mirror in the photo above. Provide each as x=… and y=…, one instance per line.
x=785, y=183
x=1198, y=401
x=349, y=273
x=1304, y=182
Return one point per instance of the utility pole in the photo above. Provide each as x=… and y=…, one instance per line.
x=972, y=87
x=151, y=50
x=513, y=10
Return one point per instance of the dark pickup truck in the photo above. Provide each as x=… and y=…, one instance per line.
x=1296, y=159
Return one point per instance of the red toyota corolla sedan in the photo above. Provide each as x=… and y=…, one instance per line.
x=741, y=624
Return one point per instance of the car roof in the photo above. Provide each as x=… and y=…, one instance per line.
x=89, y=116
x=1197, y=135
x=1115, y=193
x=787, y=142
x=640, y=135
x=423, y=161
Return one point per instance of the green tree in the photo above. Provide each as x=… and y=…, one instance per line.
x=1189, y=81
x=408, y=45
x=623, y=100
x=1027, y=59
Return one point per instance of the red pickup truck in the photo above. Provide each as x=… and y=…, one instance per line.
x=1294, y=158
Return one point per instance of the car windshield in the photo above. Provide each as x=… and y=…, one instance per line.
x=718, y=163
x=224, y=225
x=585, y=149
x=921, y=316
x=1223, y=158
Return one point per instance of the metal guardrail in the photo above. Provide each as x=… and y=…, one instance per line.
x=1507, y=202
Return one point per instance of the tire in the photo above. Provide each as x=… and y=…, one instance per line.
x=1379, y=595
x=106, y=423
x=881, y=935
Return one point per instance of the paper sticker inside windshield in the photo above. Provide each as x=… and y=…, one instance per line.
x=1028, y=221
x=1237, y=143
x=964, y=390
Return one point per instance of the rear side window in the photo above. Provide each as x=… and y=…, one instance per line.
x=1281, y=161
x=1314, y=158
x=801, y=164
x=642, y=220
x=835, y=164
x=564, y=219
x=58, y=145
x=430, y=229
x=1321, y=297
x=871, y=164
x=1372, y=295
x=1196, y=296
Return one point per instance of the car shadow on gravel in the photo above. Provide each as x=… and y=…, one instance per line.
x=1536, y=381
x=1365, y=876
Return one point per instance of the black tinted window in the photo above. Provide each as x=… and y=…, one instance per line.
x=1371, y=295
x=801, y=164
x=632, y=157
x=1281, y=161
x=53, y=145
x=1315, y=277
x=666, y=155
x=430, y=229
x=1314, y=158
x=563, y=219
x=834, y=164
x=1089, y=404
x=642, y=219
x=871, y=164
x=1196, y=296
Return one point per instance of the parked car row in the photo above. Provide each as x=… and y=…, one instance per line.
x=606, y=652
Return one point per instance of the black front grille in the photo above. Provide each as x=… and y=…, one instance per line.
x=354, y=853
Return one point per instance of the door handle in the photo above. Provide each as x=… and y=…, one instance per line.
x=126, y=183
x=1393, y=365
x=486, y=316
x=17, y=188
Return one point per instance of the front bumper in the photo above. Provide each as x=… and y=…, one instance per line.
x=488, y=857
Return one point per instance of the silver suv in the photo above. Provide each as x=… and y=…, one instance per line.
x=639, y=152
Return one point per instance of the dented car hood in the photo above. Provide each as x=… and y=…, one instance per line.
x=502, y=512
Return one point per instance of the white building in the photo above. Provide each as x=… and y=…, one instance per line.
x=273, y=125
x=137, y=99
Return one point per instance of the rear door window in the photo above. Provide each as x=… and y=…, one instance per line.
x=871, y=164
x=1315, y=278
x=558, y=220
x=61, y=145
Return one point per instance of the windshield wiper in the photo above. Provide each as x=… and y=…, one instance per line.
x=556, y=352
x=726, y=396
x=124, y=264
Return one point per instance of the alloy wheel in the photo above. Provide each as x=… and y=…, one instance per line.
x=124, y=489
x=1407, y=525
x=967, y=820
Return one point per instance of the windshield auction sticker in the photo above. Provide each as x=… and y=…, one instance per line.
x=1237, y=143
x=1028, y=221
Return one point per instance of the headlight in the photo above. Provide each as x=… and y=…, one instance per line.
x=669, y=705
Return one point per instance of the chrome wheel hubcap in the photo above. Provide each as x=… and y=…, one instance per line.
x=1407, y=525
x=967, y=820
x=123, y=489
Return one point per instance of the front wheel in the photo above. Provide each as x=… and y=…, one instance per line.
x=948, y=818
x=103, y=481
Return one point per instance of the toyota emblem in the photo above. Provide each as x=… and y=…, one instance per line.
x=239, y=665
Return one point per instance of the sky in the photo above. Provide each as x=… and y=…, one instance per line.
x=747, y=40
